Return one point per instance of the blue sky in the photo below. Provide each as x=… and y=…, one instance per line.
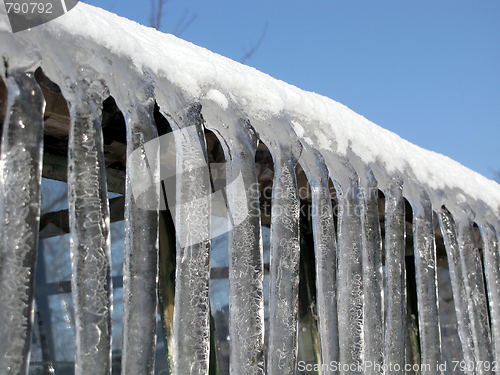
x=427, y=70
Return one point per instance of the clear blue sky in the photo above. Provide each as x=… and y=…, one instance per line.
x=428, y=70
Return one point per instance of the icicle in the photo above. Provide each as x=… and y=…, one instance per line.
x=474, y=287
x=90, y=234
x=326, y=252
x=448, y=228
x=491, y=253
x=20, y=174
x=395, y=299
x=426, y=277
x=284, y=268
x=246, y=276
x=140, y=265
x=133, y=94
x=350, y=270
x=372, y=273
x=192, y=225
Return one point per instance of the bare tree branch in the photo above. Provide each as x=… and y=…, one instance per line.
x=157, y=13
x=183, y=23
x=256, y=46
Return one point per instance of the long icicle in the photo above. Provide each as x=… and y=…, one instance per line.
x=192, y=224
x=449, y=230
x=372, y=277
x=89, y=236
x=284, y=269
x=426, y=277
x=476, y=294
x=395, y=299
x=491, y=253
x=246, y=303
x=246, y=265
x=349, y=268
x=246, y=273
x=325, y=246
x=20, y=177
x=140, y=265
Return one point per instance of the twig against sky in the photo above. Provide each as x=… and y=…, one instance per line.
x=256, y=46
x=183, y=23
x=157, y=13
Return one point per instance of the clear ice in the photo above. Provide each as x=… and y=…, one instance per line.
x=20, y=177
x=395, y=298
x=191, y=336
x=142, y=203
x=246, y=274
x=350, y=265
x=362, y=315
x=426, y=277
x=90, y=242
x=492, y=273
x=285, y=255
x=140, y=265
x=472, y=271
x=448, y=228
x=372, y=276
x=325, y=246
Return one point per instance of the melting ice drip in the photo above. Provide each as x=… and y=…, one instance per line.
x=363, y=324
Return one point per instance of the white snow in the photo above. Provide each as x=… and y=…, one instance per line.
x=217, y=97
x=203, y=74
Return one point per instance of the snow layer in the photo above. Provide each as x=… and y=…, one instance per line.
x=202, y=74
